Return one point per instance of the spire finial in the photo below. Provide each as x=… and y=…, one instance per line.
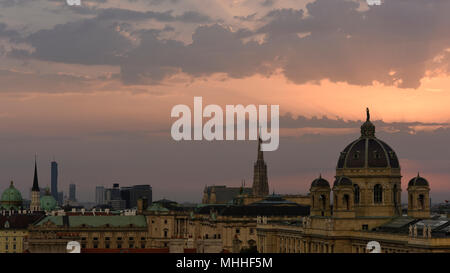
x=418, y=174
x=320, y=175
x=260, y=152
x=368, y=129
x=35, y=179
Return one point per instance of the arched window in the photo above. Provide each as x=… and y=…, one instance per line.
x=347, y=201
x=356, y=189
x=422, y=201
x=395, y=193
x=323, y=201
x=377, y=194
x=335, y=200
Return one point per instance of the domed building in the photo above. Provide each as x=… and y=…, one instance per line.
x=366, y=208
x=11, y=199
x=48, y=202
x=371, y=166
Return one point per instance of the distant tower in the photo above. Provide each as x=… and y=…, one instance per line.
x=100, y=195
x=35, y=204
x=54, y=179
x=72, y=193
x=260, y=183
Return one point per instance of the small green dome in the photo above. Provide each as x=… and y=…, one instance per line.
x=11, y=198
x=48, y=202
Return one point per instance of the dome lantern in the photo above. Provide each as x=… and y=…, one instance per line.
x=368, y=129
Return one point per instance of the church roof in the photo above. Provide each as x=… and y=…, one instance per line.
x=35, y=179
x=96, y=221
x=226, y=194
x=320, y=182
x=48, y=202
x=368, y=151
x=272, y=205
x=418, y=181
x=18, y=221
x=11, y=194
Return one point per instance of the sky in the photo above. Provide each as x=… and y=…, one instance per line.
x=92, y=87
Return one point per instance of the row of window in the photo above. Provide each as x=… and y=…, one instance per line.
x=294, y=245
x=377, y=196
x=7, y=238
x=118, y=245
x=109, y=238
x=7, y=246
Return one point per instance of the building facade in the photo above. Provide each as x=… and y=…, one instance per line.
x=14, y=231
x=52, y=233
x=363, y=205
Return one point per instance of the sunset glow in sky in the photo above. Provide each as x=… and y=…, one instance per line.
x=93, y=87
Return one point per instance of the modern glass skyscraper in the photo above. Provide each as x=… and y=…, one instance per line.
x=100, y=195
x=54, y=180
x=72, y=192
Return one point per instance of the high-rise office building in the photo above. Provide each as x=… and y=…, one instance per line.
x=54, y=180
x=100, y=195
x=60, y=198
x=140, y=191
x=72, y=193
x=127, y=195
x=132, y=194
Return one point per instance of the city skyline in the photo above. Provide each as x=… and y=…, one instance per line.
x=93, y=87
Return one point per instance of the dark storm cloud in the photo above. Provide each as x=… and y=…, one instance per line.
x=84, y=42
x=5, y=32
x=248, y=18
x=13, y=3
x=131, y=15
x=204, y=56
x=394, y=44
x=268, y=3
x=119, y=14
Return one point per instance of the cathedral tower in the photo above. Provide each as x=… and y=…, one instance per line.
x=35, y=192
x=260, y=182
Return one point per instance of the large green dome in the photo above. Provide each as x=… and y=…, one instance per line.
x=48, y=202
x=11, y=198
